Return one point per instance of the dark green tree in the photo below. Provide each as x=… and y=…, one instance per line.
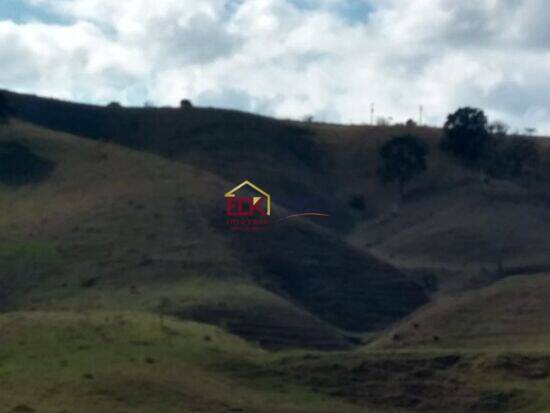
x=466, y=136
x=401, y=159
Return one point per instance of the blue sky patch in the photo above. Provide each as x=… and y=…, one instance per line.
x=20, y=11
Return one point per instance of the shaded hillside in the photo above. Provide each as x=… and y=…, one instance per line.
x=234, y=145
x=341, y=284
x=453, y=229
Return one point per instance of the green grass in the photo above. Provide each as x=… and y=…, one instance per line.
x=32, y=253
x=133, y=362
x=136, y=362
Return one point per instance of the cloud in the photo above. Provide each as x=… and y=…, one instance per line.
x=291, y=58
x=65, y=61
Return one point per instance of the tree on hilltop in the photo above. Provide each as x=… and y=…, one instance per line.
x=402, y=158
x=466, y=136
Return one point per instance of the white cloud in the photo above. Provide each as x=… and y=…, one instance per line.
x=291, y=58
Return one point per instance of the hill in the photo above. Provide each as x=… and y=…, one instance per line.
x=128, y=362
x=511, y=314
x=453, y=229
x=237, y=146
x=113, y=228
x=114, y=248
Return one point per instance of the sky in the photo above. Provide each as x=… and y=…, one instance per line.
x=330, y=59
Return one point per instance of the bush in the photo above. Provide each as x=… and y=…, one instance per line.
x=186, y=104
x=498, y=129
x=466, y=136
x=411, y=124
x=114, y=105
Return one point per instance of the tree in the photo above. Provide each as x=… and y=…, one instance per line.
x=402, y=158
x=186, y=104
x=114, y=106
x=411, y=124
x=466, y=135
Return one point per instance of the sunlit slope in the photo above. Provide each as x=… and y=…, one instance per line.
x=134, y=362
x=512, y=314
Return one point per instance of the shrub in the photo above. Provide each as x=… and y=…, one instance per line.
x=498, y=129
x=411, y=124
x=114, y=105
x=186, y=104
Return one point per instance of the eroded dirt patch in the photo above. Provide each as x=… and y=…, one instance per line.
x=521, y=366
x=438, y=383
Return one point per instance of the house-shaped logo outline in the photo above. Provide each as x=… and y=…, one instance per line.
x=231, y=194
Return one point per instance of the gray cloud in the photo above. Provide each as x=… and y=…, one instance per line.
x=201, y=40
x=292, y=58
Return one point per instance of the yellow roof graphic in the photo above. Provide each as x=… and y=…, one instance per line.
x=231, y=194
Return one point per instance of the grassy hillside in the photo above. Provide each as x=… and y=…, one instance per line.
x=429, y=381
x=237, y=146
x=113, y=228
x=512, y=314
x=121, y=289
x=129, y=362
x=454, y=229
x=453, y=226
